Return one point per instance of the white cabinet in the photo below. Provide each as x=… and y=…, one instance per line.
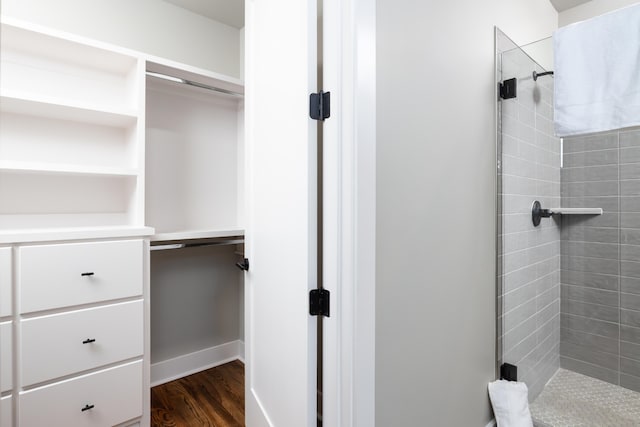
x=6, y=356
x=6, y=411
x=103, y=398
x=6, y=337
x=5, y=282
x=82, y=310
x=53, y=276
x=72, y=213
x=80, y=340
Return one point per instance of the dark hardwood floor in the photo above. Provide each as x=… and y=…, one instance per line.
x=213, y=398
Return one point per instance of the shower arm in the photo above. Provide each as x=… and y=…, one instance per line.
x=536, y=74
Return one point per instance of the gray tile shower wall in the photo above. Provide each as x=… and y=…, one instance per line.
x=529, y=257
x=600, y=258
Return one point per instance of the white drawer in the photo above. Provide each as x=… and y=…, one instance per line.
x=53, y=276
x=117, y=330
x=6, y=412
x=115, y=393
x=5, y=282
x=6, y=353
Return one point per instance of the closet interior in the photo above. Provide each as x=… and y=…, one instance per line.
x=121, y=224
x=194, y=201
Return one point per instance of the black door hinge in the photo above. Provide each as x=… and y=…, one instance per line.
x=508, y=88
x=320, y=105
x=509, y=372
x=319, y=302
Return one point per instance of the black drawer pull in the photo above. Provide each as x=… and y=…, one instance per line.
x=88, y=341
x=91, y=273
x=87, y=407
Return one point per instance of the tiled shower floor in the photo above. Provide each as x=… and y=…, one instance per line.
x=575, y=400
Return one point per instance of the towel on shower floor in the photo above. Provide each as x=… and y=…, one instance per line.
x=510, y=402
x=597, y=73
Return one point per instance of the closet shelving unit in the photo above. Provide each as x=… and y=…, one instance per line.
x=71, y=147
x=194, y=154
x=194, y=197
x=99, y=159
x=72, y=232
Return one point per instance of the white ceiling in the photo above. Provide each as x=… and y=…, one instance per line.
x=230, y=12
x=562, y=5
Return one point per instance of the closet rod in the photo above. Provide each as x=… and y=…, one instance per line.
x=167, y=247
x=194, y=245
x=192, y=83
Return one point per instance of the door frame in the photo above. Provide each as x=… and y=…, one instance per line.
x=349, y=206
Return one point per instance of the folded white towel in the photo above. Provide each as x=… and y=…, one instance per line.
x=597, y=73
x=510, y=402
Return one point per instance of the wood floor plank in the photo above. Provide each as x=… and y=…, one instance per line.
x=212, y=398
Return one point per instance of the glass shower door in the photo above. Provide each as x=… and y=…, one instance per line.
x=528, y=159
x=568, y=287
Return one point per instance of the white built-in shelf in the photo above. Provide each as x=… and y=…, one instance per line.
x=71, y=169
x=577, y=211
x=71, y=233
x=180, y=236
x=72, y=148
x=72, y=143
x=44, y=45
x=62, y=109
x=62, y=66
x=194, y=74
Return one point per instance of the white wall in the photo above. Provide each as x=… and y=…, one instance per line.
x=241, y=59
x=149, y=26
x=436, y=204
x=591, y=9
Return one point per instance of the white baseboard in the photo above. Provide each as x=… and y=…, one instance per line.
x=241, y=351
x=172, y=369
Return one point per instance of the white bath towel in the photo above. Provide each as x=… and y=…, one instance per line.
x=597, y=73
x=510, y=402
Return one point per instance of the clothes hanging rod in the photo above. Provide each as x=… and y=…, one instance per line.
x=195, y=245
x=192, y=83
x=167, y=247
